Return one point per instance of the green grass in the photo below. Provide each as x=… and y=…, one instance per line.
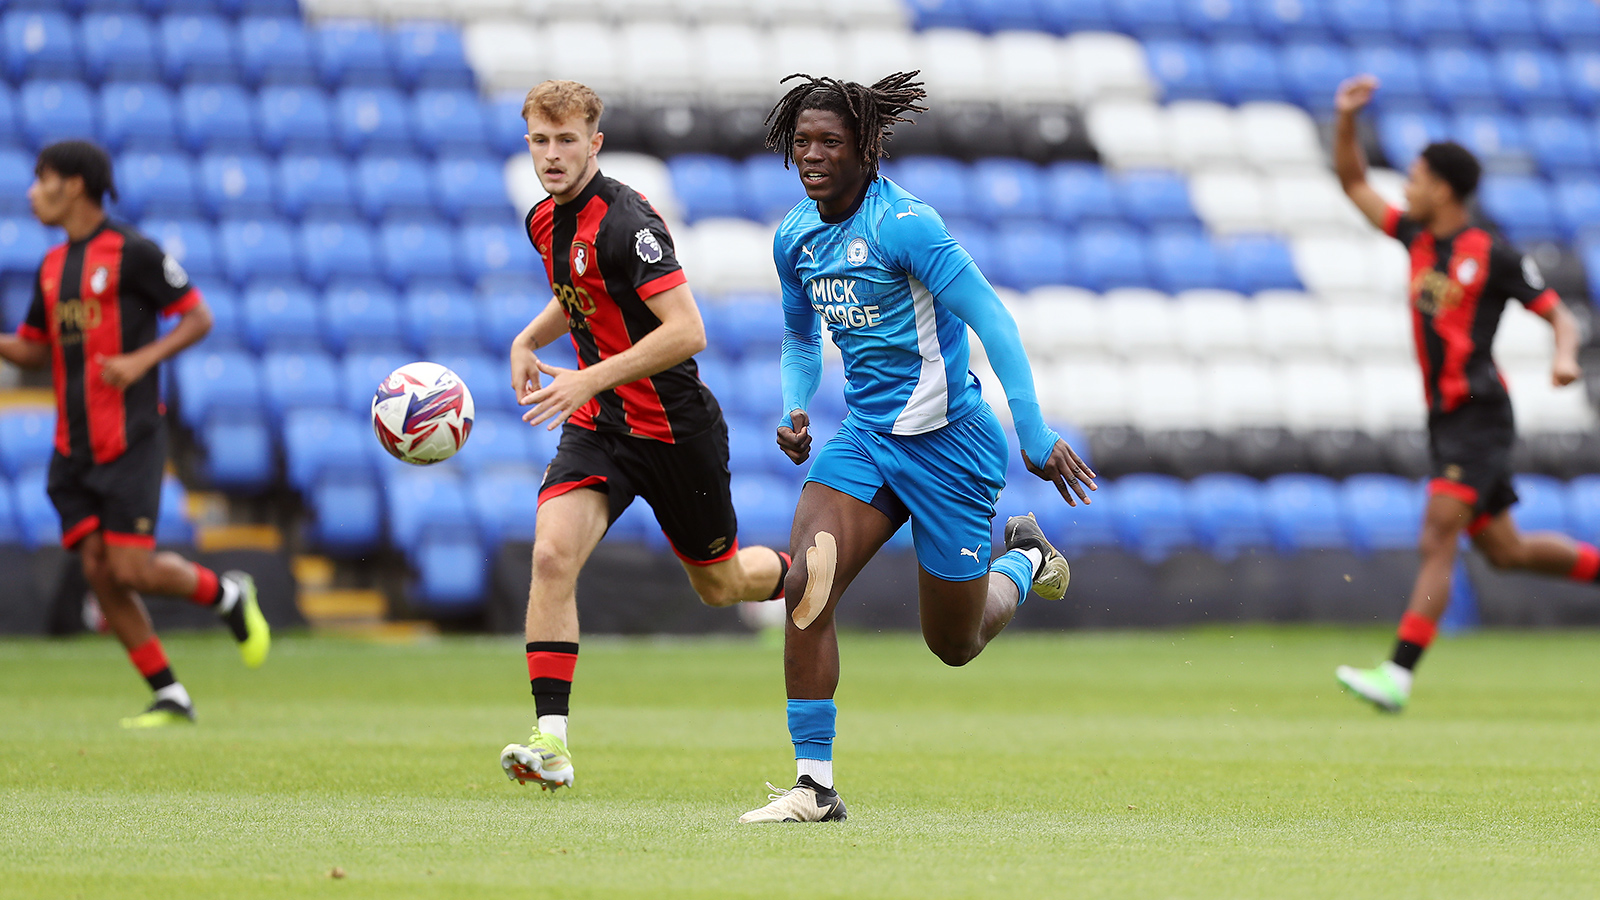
x=1187, y=764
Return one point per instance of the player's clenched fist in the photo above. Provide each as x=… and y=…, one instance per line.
x=795, y=439
x=1354, y=93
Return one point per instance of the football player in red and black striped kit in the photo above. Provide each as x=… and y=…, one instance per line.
x=96, y=301
x=636, y=419
x=1461, y=277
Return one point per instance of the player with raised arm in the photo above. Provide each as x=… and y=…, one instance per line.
x=636, y=421
x=96, y=300
x=919, y=442
x=1461, y=277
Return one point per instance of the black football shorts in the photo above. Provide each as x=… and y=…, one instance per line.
x=121, y=498
x=1471, y=448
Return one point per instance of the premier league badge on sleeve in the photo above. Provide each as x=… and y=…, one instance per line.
x=646, y=245
x=173, y=272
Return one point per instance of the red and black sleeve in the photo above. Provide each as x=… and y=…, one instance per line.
x=1398, y=225
x=35, y=325
x=1518, y=276
x=637, y=248
x=153, y=276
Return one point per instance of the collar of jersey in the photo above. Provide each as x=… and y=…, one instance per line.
x=104, y=224
x=576, y=204
x=854, y=207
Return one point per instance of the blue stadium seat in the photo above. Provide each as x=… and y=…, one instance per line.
x=27, y=438
x=1541, y=504
x=1152, y=197
x=503, y=315
x=282, y=316
x=504, y=500
x=237, y=185
x=485, y=250
x=465, y=186
x=1244, y=71
x=156, y=184
x=939, y=182
x=1111, y=256
x=362, y=371
x=254, y=248
x=708, y=186
x=1460, y=78
x=1577, y=205
x=417, y=249
x=351, y=52
x=765, y=507
x=452, y=573
x=1562, y=144
x=241, y=455
x=1521, y=205
x=1583, y=507
x=1312, y=72
x=979, y=241
x=372, y=120
x=1589, y=252
x=348, y=514
x=941, y=14
x=1497, y=139
x=172, y=523
x=1150, y=515
x=1077, y=191
x=314, y=184
x=1065, y=16
x=760, y=388
x=22, y=242
x=1504, y=22
x=1291, y=21
x=212, y=381
x=16, y=174
x=1303, y=513
x=10, y=119
x=1075, y=530
x=1571, y=23
x=393, y=184
x=448, y=120
x=1182, y=67
x=362, y=314
x=246, y=8
x=1403, y=134
x=300, y=379
x=441, y=318
x=1399, y=73
x=749, y=323
x=1183, y=259
x=1382, y=512
x=483, y=375
x=499, y=440
x=424, y=500
x=750, y=447
x=1147, y=19
x=138, y=116
x=1007, y=189
x=295, y=119
x=429, y=55
x=227, y=320
x=1361, y=21
x=36, y=516
x=118, y=47
x=198, y=48
x=1432, y=21
x=10, y=531
x=275, y=50
x=217, y=117
x=1029, y=255
x=56, y=110
x=337, y=248
x=190, y=241
x=508, y=132
x=1531, y=79
x=1228, y=512
x=1211, y=19
x=769, y=189
x=1583, y=78
x=41, y=44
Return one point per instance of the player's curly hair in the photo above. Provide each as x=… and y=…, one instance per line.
x=870, y=111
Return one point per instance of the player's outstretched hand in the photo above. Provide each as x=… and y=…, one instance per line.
x=1354, y=93
x=524, y=373
x=1565, y=372
x=1066, y=471
x=568, y=390
x=795, y=439
x=121, y=370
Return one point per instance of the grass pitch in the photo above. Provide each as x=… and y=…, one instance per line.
x=1185, y=764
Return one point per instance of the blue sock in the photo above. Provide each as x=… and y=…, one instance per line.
x=1017, y=567
x=811, y=728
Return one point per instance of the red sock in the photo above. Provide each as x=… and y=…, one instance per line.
x=1588, y=565
x=151, y=661
x=1415, y=629
x=206, y=588
x=550, y=668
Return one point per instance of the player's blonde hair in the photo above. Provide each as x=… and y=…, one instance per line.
x=558, y=101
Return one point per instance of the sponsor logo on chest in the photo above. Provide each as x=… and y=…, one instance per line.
x=835, y=301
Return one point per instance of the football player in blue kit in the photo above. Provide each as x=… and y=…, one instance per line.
x=919, y=442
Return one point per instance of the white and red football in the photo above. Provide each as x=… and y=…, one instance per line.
x=422, y=413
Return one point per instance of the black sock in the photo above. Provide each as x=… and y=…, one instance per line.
x=783, y=562
x=550, y=666
x=1407, y=655
x=161, y=679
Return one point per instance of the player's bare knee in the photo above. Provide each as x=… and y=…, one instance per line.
x=717, y=593
x=1504, y=555
x=129, y=574
x=952, y=654
x=553, y=563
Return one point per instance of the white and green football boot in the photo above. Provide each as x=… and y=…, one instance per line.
x=807, y=801
x=544, y=758
x=1387, y=686
x=161, y=714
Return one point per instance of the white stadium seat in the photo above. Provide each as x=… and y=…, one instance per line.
x=871, y=53
x=1166, y=394
x=506, y=54
x=1101, y=64
x=1203, y=134
x=1523, y=339
x=1319, y=395
x=1130, y=134
x=735, y=59
x=1542, y=407
x=1390, y=395
x=586, y=52
x=1278, y=136
x=648, y=176
x=656, y=56
x=1085, y=391
x=1334, y=264
x=724, y=255
x=956, y=64
x=522, y=183
x=1389, y=184
x=718, y=10
x=1140, y=322
x=1030, y=66
x=340, y=9
x=1377, y=333
x=1241, y=393
x=1230, y=200
x=1062, y=322
x=1310, y=201
x=803, y=48
x=1291, y=330
x=1214, y=324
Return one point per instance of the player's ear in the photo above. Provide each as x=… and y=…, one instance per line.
x=595, y=142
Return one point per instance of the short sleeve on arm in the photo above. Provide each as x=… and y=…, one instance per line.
x=151, y=274
x=1399, y=227
x=639, y=249
x=1519, y=277
x=914, y=237
x=35, y=327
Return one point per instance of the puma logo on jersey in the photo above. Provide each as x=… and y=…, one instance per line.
x=971, y=553
x=906, y=213
x=807, y=251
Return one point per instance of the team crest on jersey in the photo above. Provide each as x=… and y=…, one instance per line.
x=97, y=281
x=580, y=257
x=174, y=273
x=1531, y=273
x=1467, y=272
x=856, y=253
x=646, y=245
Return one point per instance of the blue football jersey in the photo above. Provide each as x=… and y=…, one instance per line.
x=873, y=278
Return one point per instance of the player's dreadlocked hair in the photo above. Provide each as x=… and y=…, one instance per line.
x=870, y=111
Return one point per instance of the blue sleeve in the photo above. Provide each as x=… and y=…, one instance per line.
x=914, y=237
x=801, y=365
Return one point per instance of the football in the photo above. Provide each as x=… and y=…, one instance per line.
x=422, y=413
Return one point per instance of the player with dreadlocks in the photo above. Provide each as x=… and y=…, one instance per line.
x=919, y=442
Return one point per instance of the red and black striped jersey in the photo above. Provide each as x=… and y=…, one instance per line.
x=94, y=299
x=607, y=253
x=1459, y=287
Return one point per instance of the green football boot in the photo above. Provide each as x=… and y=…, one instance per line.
x=161, y=714
x=1379, y=686
x=245, y=620
x=544, y=758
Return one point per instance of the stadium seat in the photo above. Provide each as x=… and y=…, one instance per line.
x=118, y=47
x=1150, y=515
x=1183, y=68
x=503, y=315
x=1432, y=21
x=1460, y=78
x=1183, y=259
x=507, y=131
x=347, y=513
x=1241, y=393
x=1244, y=70
x=259, y=247
x=386, y=185
x=468, y=186
x=1312, y=72
x=1152, y=198
x=488, y=250
x=504, y=500
x=56, y=110
x=1562, y=144
x=241, y=452
x=361, y=314
x=10, y=117
x=1541, y=504
x=425, y=501
x=156, y=184
x=212, y=381
x=759, y=389
x=941, y=183
x=499, y=441
x=765, y=507
x=372, y=120
x=483, y=375
x=1573, y=23
x=1583, y=507
x=769, y=189
x=1382, y=512
x=1577, y=202
x=27, y=438
x=138, y=116
x=1521, y=205
x=1361, y=21
x=1007, y=188
x=1228, y=513
x=198, y=48
x=417, y=249
x=1303, y=513
x=1029, y=255
x=275, y=50
x=452, y=573
x=1110, y=256
x=36, y=516
x=1231, y=200
x=337, y=248
x=314, y=184
x=10, y=531
x=299, y=379
x=215, y=117
x=172, y=523
x=23, y=241
x=708, y=186
x=1131, y=134
x=1504, y=22
x=361, y=371
x=1531, y=79
x=237, y=185
x=1403, y=134
x=295, y=119
x=429, y=55
x=41, y=44
x=440, y=319
x=1583, y=78
x=1281, y=21
x=190, y=241
x=351, y=52
x=1077, y=192
x=1498, y=140
x=16, y=174
x=281, y=316
x=1398, y=71
x=448, y=120
x=1318, y=395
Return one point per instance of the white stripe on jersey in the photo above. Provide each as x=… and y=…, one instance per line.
x=930, y=399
